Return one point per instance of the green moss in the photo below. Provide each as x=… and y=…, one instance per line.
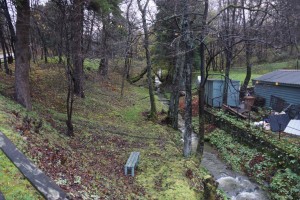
x=91, y=64
x=107, y=128
x=166, y=179
x=13, y=185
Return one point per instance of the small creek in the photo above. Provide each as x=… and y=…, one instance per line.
x=234, y=184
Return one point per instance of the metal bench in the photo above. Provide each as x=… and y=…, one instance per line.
x=132, y=162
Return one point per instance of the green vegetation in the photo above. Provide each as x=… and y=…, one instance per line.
x=286, y=144
x=107, y=129
x=13, y=185
x=91, y=64
x=285, y=185
x=258, y=165
x=241, y=157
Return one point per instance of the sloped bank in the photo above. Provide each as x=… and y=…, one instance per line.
x=90, y=165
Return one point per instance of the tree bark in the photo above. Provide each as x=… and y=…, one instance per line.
x=103, y=65
x=77, y=54
x=177, y=78
x=10, y=25
x=152, y=113
x=4, y=52
x=127, y=49
x=188, y=49
x=22, y=64
x=229, y=25
x=201, y=88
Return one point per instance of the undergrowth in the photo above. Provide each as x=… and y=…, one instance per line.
x=107, y=128
x=13, y=184
x=281, y=183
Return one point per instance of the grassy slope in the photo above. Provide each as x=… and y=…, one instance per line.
x=13, y=185
x=107, y=129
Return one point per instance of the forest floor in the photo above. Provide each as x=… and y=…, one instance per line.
x=107, y=128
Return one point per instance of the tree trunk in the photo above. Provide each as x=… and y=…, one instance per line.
x=228, y=54
x=152, y=113
x=127, y=49
x=10, y=25
x=70, y=100
x=103, y=66
x=201, y=88
x=22, y=64
x=229, y=25
x=177, y=78
x=4, y=53
x=248, y=73
x=188, y=50
x=77, y=55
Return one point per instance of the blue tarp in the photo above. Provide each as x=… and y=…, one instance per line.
x=279, y=122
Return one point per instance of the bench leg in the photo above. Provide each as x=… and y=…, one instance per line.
x=125, y=170
x=132, y=171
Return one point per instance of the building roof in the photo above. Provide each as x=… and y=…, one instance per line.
x=293, y=127
x=282, y=77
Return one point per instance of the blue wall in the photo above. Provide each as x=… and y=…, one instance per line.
x=214, y=93
x=290, y=94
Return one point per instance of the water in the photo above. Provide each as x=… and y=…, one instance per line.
x=235, y=185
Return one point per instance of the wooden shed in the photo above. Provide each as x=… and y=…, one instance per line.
x=214, y=92
x=280, y=84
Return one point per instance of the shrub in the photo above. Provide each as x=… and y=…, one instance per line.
x=285, y=185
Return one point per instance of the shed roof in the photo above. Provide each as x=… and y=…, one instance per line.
x=286, y=77
x=293, y=127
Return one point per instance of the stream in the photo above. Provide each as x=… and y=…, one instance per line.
x=236, y=185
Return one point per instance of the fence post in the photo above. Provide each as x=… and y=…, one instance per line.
x=249, y=115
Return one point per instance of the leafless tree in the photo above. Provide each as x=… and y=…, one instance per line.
x=143, y=10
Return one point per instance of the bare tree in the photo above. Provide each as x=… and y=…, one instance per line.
x=143, y=9
x=128, y=48
x=76, y=46
x=4, y=7
x=3, y=46
x=201, y=87
x=188, y=50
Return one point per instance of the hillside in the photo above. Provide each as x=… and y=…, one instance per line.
x=107, y=128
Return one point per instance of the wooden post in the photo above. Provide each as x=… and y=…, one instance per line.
x=279, y=131
x=249, y=115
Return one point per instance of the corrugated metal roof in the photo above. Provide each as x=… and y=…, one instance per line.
x=293, y=127
x=287, y=77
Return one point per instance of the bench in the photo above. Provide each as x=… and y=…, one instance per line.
x=132, y=162
x=1, y=196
